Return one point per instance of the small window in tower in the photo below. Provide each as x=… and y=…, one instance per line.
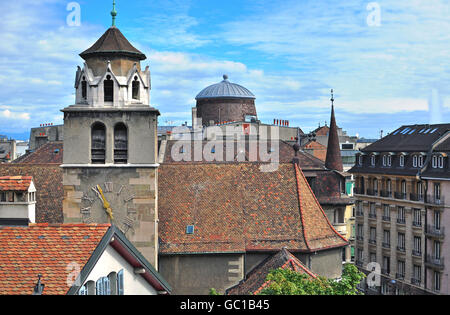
x=84, y=89
x=120, y=144
x=98, y=143
x=190, y=229
x=136, y=88
x=108, y=87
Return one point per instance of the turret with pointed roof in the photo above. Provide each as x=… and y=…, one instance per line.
x=333, y=160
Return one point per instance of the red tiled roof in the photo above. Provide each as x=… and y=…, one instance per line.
x=15, y=183
x=49, y=153
x=48, y=180
x=50, y=250
x=236, y=207
x=255, y=281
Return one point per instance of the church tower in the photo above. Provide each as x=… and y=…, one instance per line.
x=110, y=143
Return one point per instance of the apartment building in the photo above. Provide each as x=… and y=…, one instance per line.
x=401, y=184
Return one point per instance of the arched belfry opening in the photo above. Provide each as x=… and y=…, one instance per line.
x=120, y=144
x=98, y=143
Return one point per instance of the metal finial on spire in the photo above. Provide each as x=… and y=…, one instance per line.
x=114, y=13
x=332, y=98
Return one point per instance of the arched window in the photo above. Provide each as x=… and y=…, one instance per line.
x=402, y=160
x=135, y=89
x=415, y=161
x=435, y=161
x=372, y=160
x=84, y=89
x=120, y=144
x=108, y=89
x=441, y=161
x=98, y=143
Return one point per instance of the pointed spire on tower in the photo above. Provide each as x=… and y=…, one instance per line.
x=334, y=159
x=114, y=14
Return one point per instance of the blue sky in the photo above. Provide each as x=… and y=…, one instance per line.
x=288, y=53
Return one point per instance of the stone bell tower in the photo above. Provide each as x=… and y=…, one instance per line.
x=110, y=143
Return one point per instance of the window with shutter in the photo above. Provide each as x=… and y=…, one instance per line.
x=98, y=143
x=120, y=144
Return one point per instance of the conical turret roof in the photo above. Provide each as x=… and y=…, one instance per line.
x=334, y=159
x=113, y=42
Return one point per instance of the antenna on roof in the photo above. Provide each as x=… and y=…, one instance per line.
x=114, y=13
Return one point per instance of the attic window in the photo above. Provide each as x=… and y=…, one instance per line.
x=108, y=89
x=190, y=229
x=135, y=88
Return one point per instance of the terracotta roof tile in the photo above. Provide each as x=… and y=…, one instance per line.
x=49, y=250
x=49, y=189
x=15, y=183
x=255, y=281
x=237, y=208
x=51, y=152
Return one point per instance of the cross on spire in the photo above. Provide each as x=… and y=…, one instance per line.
x=114, y=13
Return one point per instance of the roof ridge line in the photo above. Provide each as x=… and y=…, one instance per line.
x=296, y=168
x=320, y=207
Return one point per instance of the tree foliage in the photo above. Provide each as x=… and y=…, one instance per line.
x=289, y=282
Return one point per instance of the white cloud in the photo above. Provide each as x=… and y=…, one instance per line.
x=16, y=116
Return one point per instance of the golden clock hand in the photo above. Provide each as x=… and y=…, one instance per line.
x=106, y=204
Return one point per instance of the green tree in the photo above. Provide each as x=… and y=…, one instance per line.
x=289, y=282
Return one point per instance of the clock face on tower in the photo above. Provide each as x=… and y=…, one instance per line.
x=109, y=203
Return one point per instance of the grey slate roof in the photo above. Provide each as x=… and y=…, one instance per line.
x=412, y=138
x=225, y=89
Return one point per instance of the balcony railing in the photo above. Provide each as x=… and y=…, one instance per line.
x=360, y=238
x=371, y=241
x=415, y=281
x=416, y=197
x=372, y=192
x=417, y=224
x=435, y=261
x=386, y=245
x=359, y=263
x=359, y=213
x=358, y=191
x=417, y=253
x=372, y=215
x=401, y=221
x=401, y=249
x=400, y=195
x=386, y=194
x=435, y=200
x=385, y=271
x=431, y=230
x=400, y=276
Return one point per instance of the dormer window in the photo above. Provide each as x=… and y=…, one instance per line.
x=84, y=89
x=135, y=89
x=402, y=160
x=437, y=161
x=434, y=161
x=420, y=161
x=415, y=157
x=360, y=159
x=441, y=161
x=108, y=89
x=372, y=160
x=384, y=160
x=387, y=160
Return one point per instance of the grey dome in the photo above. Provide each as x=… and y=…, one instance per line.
x=225, y=89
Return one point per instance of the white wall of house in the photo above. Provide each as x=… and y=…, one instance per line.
x=111, y=261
